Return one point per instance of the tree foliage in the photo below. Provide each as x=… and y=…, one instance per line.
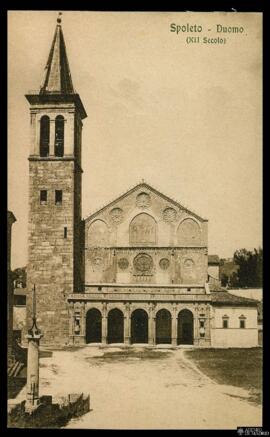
x=250, y=271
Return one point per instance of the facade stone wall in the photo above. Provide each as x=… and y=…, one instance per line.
x=168, y=266
x=145, y=227
x=116, y=219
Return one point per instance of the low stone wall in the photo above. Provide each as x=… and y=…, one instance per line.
x=51, y=413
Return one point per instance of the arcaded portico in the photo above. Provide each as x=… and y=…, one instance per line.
x=151, y=315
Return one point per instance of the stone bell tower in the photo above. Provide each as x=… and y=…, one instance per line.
x=55, y=228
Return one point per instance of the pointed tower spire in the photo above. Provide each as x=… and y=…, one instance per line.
x=57, y=78
x=57, y=85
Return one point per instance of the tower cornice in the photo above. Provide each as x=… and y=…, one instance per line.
x=35, y=98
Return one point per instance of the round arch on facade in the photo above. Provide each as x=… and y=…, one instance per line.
x=97, y=234
x=93, y=326
x=185, y=327
x=143, y=230
x=163, y=326
x=115, y=326
x=139, y=326
x=188, y=232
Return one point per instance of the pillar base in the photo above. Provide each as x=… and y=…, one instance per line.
x=77, y=340
x=31, y=405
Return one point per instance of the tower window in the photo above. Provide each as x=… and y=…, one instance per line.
x=65, y=232
x=43, y=197
x=58, y=197
x=44, y=136
x=59, y=136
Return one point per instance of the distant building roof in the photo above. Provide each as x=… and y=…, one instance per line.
x=213, y=259
x=224, y=298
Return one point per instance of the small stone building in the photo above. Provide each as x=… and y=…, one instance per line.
x=136, y=271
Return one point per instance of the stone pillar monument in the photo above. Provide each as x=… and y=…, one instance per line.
x=33, y=337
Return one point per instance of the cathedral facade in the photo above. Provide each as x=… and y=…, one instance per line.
x=134, y=272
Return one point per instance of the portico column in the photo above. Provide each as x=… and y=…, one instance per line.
x=83, y=334
x=104, y=323
x=127, y=325
x=174, y=326
x=196, y=325
x=151, y=326
x=208, y=325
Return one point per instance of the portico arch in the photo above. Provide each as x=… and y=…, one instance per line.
x=139, y=326
x=115, y=326
x=163, y=327
x=93, y=326
x=185, y=327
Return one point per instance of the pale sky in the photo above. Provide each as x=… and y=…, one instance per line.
x=185, y=117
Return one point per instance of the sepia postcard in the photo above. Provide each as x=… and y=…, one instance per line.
x=135, y=220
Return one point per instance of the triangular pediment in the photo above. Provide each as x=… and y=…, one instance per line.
x=144, y=190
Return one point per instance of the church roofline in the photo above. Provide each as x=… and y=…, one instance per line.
x=148, y=186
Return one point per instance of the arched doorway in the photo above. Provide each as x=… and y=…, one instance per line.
x=185, y=327
x=163, y=327
x=115, y=326
x=139, y=326
x=93, y=326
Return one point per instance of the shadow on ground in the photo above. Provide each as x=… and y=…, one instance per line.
x=129, y=354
